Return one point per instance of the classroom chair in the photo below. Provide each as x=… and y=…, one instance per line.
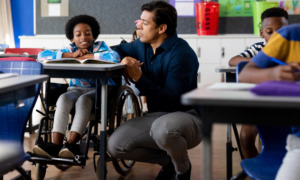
x=30, y=127
x=273, y=139
x=28, y=51
x=14, y=119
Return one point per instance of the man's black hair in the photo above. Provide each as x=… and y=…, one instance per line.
x=164, y=13
x=274, y=12
x=91, y=21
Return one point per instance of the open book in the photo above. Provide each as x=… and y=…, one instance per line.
x=72, y=60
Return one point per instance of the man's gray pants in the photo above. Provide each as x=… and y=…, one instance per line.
x=157, y=137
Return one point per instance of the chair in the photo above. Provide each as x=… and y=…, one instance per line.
x=14, y=119
x=30, y=126
x=273, y=139
x=29, y=51
x=239, y=68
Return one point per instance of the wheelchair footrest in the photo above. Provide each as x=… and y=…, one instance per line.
x=79, y=160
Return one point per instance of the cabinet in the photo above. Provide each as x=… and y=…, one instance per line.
x=212, y=51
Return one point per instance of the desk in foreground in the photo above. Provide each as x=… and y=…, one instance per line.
x=239, y=106
x=19, y=87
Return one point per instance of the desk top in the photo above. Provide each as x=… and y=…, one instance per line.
x=19, y=82
x=226, y=69
x=86, y=67
x=243, y=98
x=17, y=55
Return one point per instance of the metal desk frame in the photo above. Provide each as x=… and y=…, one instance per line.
x=237, y=106
x=100, y=72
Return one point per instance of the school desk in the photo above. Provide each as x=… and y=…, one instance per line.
x=18, y=55
x=101, y=72
x=15, y=89
x=238, y=106
x=230, y=75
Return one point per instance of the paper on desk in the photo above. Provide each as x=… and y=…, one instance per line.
x=231, y=86
x=7, y=75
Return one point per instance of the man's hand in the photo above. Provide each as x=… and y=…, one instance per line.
x=288, y=72
x=80, y=52
x=133, y=71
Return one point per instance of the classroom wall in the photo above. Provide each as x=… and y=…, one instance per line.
x=118, y=16
x=22, y=16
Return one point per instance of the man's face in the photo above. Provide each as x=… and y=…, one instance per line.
x=270, y=25
x=83, y=37
x=149, y=31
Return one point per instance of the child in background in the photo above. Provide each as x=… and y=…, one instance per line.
x=129, y=106
x=284, y=46
x=271, y=20
x=82, y=31
x=136, y=33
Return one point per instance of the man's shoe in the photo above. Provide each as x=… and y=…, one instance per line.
x=48, y=150
x=167, y=172
x=184, y=176
x=69, y=151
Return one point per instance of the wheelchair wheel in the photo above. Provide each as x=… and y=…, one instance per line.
x=118, y=108
x=119, y=116
x=40, y=171
x=122, y=166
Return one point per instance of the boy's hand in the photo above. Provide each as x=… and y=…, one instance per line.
x=133, y=70
x=86, y=56
x=80, y=52
x=289, y=72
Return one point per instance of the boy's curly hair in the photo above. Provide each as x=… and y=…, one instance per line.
x=274, y=12
x=91, y=21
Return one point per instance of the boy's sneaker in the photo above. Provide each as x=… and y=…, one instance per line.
x=69, y=151
x=48, y=150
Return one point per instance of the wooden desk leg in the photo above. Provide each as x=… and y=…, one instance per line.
x=103, y=131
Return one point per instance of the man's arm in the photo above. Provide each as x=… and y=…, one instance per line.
x=181, y=77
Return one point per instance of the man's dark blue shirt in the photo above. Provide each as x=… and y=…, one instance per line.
x=167, y=74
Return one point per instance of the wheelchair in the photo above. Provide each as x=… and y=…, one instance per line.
x=116, y=115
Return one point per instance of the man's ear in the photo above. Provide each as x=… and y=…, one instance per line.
x=261, y=33
x=162, y=28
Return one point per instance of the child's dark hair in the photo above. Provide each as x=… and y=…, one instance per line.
x=91, y=21
x=274, y=12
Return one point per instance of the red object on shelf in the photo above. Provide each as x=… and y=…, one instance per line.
x=29, y=51
x=207, y=18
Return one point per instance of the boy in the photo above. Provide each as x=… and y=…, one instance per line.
x=271, y=20
x=82, y=31
x=285, y=46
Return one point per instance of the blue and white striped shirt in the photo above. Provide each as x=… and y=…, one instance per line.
x=253, y=50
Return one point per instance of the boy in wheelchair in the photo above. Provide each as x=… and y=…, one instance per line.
x=82, y=31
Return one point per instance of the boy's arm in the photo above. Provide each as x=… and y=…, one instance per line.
x=253, y=74
x=247, y=54
x=77, y=54
x=236, y=59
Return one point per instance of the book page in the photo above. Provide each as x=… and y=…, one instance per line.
x=63, y=60
x=231, y=86
x=85, y=61
x=73, y=60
